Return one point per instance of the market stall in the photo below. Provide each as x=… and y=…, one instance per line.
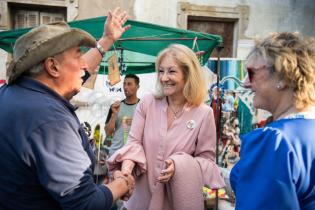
x=138, y=46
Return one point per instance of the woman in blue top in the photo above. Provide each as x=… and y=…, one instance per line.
x=277, y=165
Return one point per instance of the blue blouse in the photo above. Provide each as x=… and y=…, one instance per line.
x=277, y=167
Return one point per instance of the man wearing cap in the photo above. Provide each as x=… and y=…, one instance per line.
x=46, y=161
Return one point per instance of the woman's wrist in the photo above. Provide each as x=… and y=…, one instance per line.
x=127, y=166
x=126, y=170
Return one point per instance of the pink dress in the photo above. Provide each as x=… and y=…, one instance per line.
x=150, y=143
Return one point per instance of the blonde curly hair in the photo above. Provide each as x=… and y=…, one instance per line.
x=195, y=89
x=292, y=59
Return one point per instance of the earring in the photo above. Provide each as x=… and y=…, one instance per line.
x=279, y=85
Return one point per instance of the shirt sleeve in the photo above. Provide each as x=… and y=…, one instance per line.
x=63, y=167
x=205, y=152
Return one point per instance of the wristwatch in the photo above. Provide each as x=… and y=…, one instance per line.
x=100, y=48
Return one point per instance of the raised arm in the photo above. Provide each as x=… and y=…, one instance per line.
x=113, y=29
x=111, y=118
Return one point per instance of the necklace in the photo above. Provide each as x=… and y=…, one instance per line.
x=175, y=113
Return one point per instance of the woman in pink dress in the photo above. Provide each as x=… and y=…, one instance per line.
x=171, y=144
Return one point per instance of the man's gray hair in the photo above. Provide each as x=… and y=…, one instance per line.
x=35, y=70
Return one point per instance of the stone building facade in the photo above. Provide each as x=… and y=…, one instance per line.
x=237, y=21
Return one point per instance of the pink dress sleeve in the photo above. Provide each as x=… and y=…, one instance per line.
x=133, y=149
x=205, y=153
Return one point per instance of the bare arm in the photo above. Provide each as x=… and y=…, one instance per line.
x=113, y=29
x=93, y=56
x=127, y=167
x=110, y=126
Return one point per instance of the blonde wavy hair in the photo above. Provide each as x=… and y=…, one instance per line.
x=195, y=89
x=292, y=59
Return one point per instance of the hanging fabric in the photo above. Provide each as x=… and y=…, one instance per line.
x=113, y=70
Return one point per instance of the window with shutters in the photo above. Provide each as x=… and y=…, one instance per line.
x=24, y=18
x=32, y=18
x=46, y=17
x=20, y=20
x=57, y=18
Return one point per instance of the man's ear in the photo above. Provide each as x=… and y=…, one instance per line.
x=52, y=67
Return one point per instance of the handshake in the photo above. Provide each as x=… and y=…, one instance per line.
x=128, y=182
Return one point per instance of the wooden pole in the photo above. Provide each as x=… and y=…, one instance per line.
x=218, y=117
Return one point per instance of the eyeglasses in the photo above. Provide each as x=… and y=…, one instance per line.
x=251, y=71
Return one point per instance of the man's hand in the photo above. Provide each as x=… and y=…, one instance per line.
x=115, y=107
x=113, y=27
x=130, y=181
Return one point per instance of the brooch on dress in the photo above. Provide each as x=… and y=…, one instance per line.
x=191, y=124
